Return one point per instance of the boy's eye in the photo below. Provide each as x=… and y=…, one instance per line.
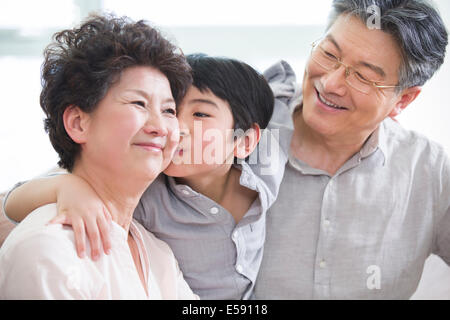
x=201, y=115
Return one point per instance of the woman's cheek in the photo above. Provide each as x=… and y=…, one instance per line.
x=128, y=121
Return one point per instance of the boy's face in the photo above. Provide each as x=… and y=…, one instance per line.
x=206, y=135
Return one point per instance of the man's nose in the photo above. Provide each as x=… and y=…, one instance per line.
x=334, y=81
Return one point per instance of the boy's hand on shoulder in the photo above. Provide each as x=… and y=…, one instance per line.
x=79, y=206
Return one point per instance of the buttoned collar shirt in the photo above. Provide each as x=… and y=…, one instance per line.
x=364, y=232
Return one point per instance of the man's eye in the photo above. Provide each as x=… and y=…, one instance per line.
x=330, y=55
x=362, y=78
x=201, y=115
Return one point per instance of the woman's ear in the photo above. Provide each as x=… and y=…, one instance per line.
x=76, y=123
x=407, y=96
x=247, y=143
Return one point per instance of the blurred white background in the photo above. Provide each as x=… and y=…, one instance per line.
x=259, y=32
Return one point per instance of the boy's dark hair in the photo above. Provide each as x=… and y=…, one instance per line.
x=247, y=92
x=82, y=63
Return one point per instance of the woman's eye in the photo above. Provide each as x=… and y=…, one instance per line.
x=139, y=103
x=200, y=115
x=171, y=111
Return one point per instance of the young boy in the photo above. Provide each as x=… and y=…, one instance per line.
x=210, y=204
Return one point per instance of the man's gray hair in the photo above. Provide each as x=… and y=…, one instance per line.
x=415, y=25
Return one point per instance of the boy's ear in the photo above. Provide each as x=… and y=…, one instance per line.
x=246, y=144
x=76, y=123
x=407, y=96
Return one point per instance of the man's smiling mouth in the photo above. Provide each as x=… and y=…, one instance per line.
x=329, y=103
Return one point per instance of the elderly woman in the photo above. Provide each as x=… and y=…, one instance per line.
x=109, y=94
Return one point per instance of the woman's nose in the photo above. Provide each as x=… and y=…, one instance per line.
x=156, y=125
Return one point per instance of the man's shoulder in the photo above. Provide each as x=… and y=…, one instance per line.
x=409, y=143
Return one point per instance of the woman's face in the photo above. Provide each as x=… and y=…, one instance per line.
x=134, y=129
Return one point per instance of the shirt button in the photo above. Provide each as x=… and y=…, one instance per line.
x=214, y=210
x=235, y=235
x=239, y=268
x=326, y=223
x=322, y=264
x=185, y=192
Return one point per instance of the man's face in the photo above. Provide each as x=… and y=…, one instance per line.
x=368, y=51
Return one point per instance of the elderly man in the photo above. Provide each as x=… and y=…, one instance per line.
x=363, y=202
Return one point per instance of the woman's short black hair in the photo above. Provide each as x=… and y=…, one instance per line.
x=82, y=63
x=247, y=92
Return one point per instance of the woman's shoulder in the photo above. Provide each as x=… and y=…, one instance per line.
x=39, y=261
x=34, y=236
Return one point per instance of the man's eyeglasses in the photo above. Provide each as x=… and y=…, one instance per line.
x=353, y=77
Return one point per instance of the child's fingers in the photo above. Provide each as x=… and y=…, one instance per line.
x=104, y=228
x=93, y=234
x=107, y=216
x=60, y=219
x=80, y=236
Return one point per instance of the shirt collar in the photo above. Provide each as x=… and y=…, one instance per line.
x=181, y=190
x=247, y=179
x=377, y=140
